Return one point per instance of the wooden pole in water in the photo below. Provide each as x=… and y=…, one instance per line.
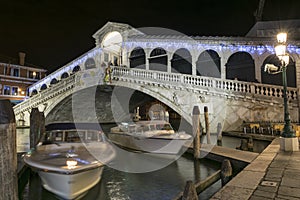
x=42, y=124
x=219, y=133
x=207, y=125
x=250, y=144
x=196, y=131
x=37, y=126
x=189, y=192
x=197, y=170
x=226, y=171
x=8, y=155
x=34, y=126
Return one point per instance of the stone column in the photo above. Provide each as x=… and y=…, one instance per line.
x=169, y=63
x=223, y=61
x=258, y=63
x=147, y=56
x=194, y=63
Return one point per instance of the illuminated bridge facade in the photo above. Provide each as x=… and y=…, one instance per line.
x=224, y=74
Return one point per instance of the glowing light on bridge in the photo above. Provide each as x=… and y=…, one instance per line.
x=67, y=68
x=194, y=45
x=168, y=45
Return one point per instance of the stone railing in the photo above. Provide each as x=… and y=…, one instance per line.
x=175, y=80
x=178, y=80
x=44, y=95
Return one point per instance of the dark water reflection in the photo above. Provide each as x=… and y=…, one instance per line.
x=162, y=184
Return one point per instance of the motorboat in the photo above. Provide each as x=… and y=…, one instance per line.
x=70, y=162
x=152, y=136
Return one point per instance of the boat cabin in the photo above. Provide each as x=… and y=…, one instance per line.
x=69, y=136
x=146, y=126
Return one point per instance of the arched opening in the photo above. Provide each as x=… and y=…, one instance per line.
x=90, y=63
x=76, y=69
x=276, y=79
x=44, y=87
x=182, y=61
x=34, y=92
x=158, y=60
x=53, y=81
x=209, y=64
x=137, y=58
x=64, y=75
x=111, y=45
x=240, y=66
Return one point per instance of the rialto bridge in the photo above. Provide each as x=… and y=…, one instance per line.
x=224, y=74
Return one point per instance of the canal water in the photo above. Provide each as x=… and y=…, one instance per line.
x=162, y=184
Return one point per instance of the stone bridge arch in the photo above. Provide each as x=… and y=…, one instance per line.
x=54, y=106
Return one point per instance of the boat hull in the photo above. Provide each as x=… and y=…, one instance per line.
x=152, y=145
x=70, y=162
x=70, y=186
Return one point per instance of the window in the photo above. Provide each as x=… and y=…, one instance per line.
x=6, y=70
x=6, y=90
x=37, y=76
x=14, y=91
x=58, y=137
x=16, y=72
x=33, y=75
x=72, y=137
x=30, y=74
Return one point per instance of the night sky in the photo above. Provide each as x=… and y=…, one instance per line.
x=54, y=32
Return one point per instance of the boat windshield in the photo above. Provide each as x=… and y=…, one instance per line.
x=166, y=127
x=72, y=136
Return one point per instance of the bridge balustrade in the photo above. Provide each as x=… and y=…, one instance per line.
x=208, y=82
x=171, y=79
x=44, y=95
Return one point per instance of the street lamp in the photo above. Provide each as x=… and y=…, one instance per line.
x=289, y=142
x=284, y=58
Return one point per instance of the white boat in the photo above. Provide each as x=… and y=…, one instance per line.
x=155, y=137
x=70, y=162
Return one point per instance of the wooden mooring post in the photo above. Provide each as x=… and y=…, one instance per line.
x=219, y=134
x=200, y=186
x=226, y=171
x=196, y=131
x=8, y=155
x=37, y=126
x=189, y=192
x=207, y=130
x=250, y=144
x=197, y=170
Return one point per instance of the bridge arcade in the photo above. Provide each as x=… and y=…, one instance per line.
x=231, y=63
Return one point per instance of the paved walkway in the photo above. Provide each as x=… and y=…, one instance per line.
x=274, y=174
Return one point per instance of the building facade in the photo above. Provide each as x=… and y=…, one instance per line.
x=16, y=78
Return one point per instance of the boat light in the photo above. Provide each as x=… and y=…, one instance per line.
x=71, y=163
